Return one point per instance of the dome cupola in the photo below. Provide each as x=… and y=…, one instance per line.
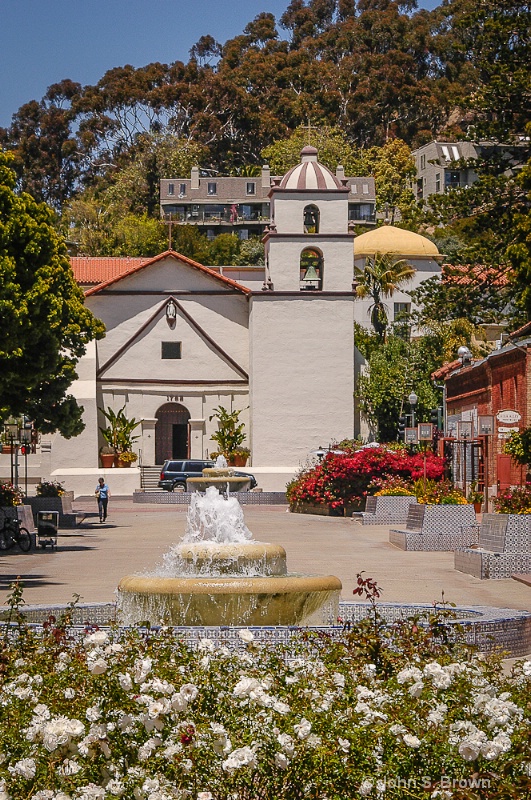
x=309, y=175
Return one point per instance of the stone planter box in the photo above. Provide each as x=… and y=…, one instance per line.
x=386, y=510
x=318, y=509
x=437, y=527
x=67, y=518
x=23, y=513
x=504, y=548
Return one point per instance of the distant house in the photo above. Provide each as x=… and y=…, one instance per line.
x=442, y=166
x=241, y=205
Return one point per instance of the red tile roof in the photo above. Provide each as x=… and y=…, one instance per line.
x=446, y=369
x=524, y=330
x=477, y=274
x=88, y=269
x=178, y=257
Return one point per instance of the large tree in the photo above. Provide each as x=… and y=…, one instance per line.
x=45, y=325
x=331, y=142
x=398, y=365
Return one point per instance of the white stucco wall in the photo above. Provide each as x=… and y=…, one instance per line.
x=82, y=450
x=302, y=375
x=287, y=210
x=201, y=380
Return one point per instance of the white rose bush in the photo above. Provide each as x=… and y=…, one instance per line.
x=139, y=714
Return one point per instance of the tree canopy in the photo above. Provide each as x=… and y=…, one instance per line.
x=45, y=325
x=378, y=71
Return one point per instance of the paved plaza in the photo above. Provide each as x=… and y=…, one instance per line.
x=91, y=559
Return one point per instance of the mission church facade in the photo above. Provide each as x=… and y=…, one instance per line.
x=275, y=342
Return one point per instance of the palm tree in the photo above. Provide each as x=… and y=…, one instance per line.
x=378, y=279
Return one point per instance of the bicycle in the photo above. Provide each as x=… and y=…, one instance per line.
x=12, y=533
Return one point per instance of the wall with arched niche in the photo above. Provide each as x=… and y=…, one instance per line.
x=311, y=269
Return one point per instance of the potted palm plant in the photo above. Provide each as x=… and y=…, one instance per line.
x=119, y=439
x=230, y=436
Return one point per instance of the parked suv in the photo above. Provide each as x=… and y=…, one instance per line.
x=174, y=473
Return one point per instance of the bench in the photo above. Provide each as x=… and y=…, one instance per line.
x=385, y=510
x=437, y=527
x=504, y=548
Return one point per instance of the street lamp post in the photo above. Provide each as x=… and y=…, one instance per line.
x=11, y=431
x=413, y=400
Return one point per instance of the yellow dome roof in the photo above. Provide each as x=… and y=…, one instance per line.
x=396, y=241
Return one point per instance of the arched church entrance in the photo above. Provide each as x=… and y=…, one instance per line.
x=171, y=432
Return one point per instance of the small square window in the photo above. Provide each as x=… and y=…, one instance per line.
x=354, y=189
x=182, y=189
x=401, y=310
x=171, y=350
x=212, y=188
x=251, y=188
x=365, y=188
x=171, y=188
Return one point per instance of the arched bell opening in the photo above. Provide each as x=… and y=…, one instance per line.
x=311, y=269
x=311, y=219
x=171, y=432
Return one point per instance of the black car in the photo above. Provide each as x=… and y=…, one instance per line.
x=174, y=473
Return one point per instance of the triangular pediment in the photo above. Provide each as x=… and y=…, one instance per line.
x=168, y=272
x=183, y=350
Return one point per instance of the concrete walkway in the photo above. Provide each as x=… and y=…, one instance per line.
x=91, y=560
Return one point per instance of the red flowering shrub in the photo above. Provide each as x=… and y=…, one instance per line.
x=340, y=479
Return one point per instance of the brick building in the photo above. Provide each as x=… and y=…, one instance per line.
x=496, y=391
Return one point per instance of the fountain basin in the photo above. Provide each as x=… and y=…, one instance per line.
x=222, y=483
x=235, y=600
x=250, y=559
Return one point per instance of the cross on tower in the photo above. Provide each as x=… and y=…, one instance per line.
x=310, y=128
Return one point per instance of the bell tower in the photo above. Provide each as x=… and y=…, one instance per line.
x=308, y=245
x=302, y=322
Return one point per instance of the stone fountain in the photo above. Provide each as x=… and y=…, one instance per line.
x=220, y=575
x=221, y=476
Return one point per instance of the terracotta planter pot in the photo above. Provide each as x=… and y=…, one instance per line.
x=107, y=460
x=123, y=464
x=477, y=508
x=237, y=461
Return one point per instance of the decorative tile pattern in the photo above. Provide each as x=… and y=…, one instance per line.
x=484, y=564
x=385, y=510
x=484, y=627
x=413, y=540
x=504, y=547
x=183, y=498
x=434, y=527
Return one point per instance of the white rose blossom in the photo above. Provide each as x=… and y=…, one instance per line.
x=26, y=768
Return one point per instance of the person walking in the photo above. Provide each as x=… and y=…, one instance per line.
x=102, y=495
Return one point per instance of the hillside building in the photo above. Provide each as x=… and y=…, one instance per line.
x=442, y=166
x=242, y=205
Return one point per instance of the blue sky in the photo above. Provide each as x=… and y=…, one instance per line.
x=44, y=41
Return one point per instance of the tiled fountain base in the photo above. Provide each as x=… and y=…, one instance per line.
x=183, y=498
x=484, y=627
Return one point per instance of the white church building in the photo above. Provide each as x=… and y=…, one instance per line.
x=275, y=342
